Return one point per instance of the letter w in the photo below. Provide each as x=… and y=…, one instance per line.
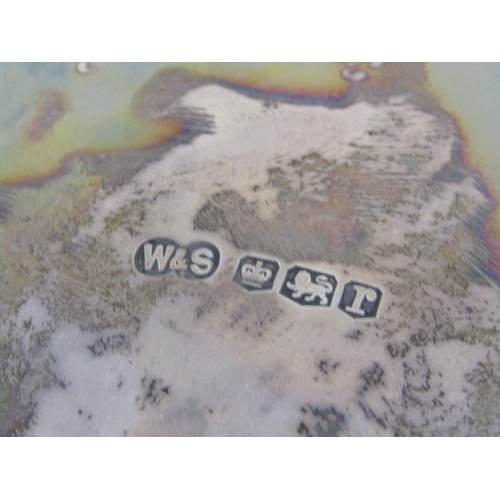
x=151, y=257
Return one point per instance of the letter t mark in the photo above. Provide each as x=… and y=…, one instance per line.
x=360, y=300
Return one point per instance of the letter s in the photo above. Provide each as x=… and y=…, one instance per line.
x=202, y=259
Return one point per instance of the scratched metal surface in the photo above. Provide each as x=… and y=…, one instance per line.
x=249, y=249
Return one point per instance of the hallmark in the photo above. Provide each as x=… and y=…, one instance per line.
x=360, y=300
x=308, y=287
x=256, y=273
x=304, y=286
